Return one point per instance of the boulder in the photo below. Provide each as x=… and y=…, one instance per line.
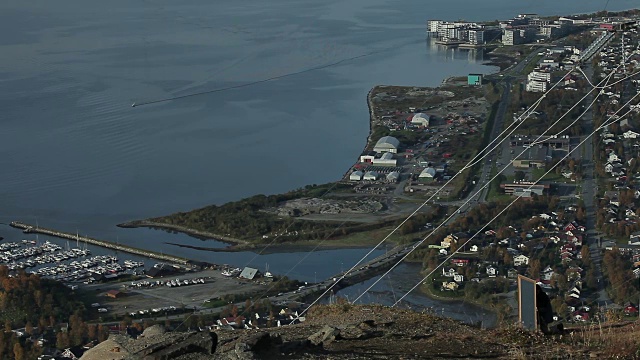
x=325, y=336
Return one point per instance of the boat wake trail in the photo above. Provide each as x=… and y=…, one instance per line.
x=227, y=88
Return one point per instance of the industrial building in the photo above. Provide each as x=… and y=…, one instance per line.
x=393, y=177
x=420, y=119
x=367, y=157
x=535, y=156
x=427, y=175
x=356, y=175
x=387, y=144
x=525, y=189
x=385, y=159
x=371, y=176
x=553, y=141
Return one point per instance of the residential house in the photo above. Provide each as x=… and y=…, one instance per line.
x=449, y=272
x=547, y=273
x=630, y=309
x=630, y=134
x=458, y=278
x=492, y=271
x=520, y=260
x=581, y=316
x=460, y=262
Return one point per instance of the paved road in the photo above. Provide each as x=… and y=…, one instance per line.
x=589, y=192
x=498, y=125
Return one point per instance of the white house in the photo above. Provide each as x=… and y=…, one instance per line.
x=474, y=248
x=521, y=260
x=356, y=175
x=630, y=134
x=547, y=273
x=449, y=272
x=492, y=271
x=458, y=278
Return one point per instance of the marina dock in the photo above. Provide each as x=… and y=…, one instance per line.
x=28, y=229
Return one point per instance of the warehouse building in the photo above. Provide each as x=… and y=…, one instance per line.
x=387, y=144
x=427, y=175
x=356, y=175
x=367, y=157
x=420, y=119
x=371, y=175
x=386, y=159
x=393, y=177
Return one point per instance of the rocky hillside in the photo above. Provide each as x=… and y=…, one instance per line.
x=375, y=332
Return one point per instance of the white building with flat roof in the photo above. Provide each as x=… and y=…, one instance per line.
x=536, y=86
x=476, y=36
x=386, y=159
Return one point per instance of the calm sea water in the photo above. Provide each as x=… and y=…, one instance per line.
x=76, y=155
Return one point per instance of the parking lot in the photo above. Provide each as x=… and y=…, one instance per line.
x=135, y=299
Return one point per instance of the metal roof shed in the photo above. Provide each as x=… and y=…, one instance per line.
x=248, y=273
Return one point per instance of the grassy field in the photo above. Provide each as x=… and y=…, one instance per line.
x=552, y=176
x=358, y=239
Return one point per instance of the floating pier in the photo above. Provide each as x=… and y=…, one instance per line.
x=27, y=229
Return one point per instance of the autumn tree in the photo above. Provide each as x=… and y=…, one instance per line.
x=534, y=268
x=18, y=352
x=62, y=340
x=586, y=256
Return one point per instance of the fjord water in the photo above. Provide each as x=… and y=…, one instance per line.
x=76, y=155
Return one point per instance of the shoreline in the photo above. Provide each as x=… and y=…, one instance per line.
x=272, y=249
x=199, y=234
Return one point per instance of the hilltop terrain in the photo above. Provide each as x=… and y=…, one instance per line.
x=346, y=331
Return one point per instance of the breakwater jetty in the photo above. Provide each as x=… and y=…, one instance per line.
x=26, y=228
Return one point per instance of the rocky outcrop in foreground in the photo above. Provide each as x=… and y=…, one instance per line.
x=371, y=332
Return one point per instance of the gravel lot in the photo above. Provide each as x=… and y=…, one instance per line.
x=136, y=299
